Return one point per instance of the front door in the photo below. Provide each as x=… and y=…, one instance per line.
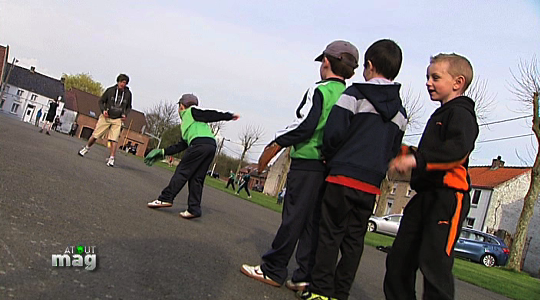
x=29, y=113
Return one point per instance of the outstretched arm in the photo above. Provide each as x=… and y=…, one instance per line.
x=211, y=115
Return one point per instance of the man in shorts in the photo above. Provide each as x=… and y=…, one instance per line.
x=115, y=104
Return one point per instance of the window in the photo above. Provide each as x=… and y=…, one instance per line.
x=409, y=191
x=33, y=97
x=469, y=222
x=389, y=204
x=394, y=189
x=476, y=197
x=14, y=108
x=20, y=92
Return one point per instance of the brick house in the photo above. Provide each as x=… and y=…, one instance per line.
x=4, y=52
x=87, y=108
x=251, y=169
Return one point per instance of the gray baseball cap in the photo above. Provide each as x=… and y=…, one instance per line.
x=336, y=48
x=188, y=100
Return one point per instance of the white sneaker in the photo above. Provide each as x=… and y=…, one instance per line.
x=110, y=162
x=256, y=273
x=157, y=204
x=83, y=151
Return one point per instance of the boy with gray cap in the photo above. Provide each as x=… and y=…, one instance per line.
x=305, y=180
x=198, y=139
x=364, y=132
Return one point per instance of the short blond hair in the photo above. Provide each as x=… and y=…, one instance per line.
x=457, y=65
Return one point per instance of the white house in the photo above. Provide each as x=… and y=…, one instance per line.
x=26, y=92
x=496, y=203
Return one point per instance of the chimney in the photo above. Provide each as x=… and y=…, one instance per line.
x=33, y=69
x=496, y=163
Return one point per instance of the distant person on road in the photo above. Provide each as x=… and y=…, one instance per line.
x=200, y=145
x=171, y=160
x=74, y=127
x=115, y=105
x=432, y=219
x=38, y=117
x=51, y=114
x=244, y=184
x=231, y=180
x=363, y=133
x=281, y=195
x=305, y=180
x=56, y=123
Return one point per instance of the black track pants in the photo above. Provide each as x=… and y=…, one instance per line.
x=192, y=169
x=429, y=229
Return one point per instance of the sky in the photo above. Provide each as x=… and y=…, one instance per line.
x=256, y=58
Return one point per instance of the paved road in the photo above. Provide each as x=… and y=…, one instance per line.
x=50, y=198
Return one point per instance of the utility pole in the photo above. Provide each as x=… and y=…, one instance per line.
x=217, y=155
x=7, y=78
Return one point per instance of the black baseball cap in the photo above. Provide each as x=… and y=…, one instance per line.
x=188, y=100
x=337, y=48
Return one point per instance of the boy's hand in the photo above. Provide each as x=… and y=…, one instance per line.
x=403, y=164
x=124, y=118
x=154, y=156
x=235, y=117
x=106, y=113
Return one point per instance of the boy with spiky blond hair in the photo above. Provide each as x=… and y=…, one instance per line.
x=432, y=220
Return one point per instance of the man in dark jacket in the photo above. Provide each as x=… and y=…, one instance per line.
x=114, y=104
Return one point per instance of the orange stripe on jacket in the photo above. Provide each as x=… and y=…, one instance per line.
x=454, y=226
x=445, y=166
x=457, y=179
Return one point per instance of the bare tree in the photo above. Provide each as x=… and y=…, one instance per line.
x=484, y=100
x=161, y=117
x=217, y=126
x=249, y=136
x=526, y=88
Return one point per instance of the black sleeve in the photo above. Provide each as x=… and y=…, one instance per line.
x=461, y=134
x=308, y=115
x=209, y=115
x=128, y=105
x=103, y=101
x=176, y=148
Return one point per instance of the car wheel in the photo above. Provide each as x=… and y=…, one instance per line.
x=488, y=260
x=371, y=227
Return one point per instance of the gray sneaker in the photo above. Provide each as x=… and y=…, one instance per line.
x=110, y=162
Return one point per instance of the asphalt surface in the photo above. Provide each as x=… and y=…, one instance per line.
x=51, y=199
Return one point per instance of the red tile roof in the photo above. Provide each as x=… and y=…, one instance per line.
x=486, y=178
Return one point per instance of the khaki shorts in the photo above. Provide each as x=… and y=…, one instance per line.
x=113, y=126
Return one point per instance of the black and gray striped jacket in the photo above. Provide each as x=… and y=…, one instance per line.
x=364, y=131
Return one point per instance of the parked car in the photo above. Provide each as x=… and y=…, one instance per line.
x=481, y=247
x=388, y=224
x=258, y=188
x=215, y=174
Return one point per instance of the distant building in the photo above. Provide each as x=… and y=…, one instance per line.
x=86, y=108
x=27, y=91
x=277, y=174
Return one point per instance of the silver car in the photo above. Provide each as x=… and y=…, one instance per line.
x=387, y=224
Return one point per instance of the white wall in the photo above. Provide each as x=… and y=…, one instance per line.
x=479, y=212
x=28, y=105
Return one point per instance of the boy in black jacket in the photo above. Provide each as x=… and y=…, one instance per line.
x=432, y=220
x=200, y=144
x=363, y=133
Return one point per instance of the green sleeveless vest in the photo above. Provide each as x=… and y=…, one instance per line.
x=311, y=149
x=192, y=129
